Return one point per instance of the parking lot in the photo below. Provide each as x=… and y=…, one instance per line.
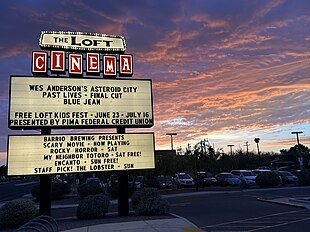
x=243, y=211
x=262, y=223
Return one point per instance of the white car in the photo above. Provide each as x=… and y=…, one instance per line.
x=184, y=180
x=247, y=177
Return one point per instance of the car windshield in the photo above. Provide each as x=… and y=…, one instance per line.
x=184, y=176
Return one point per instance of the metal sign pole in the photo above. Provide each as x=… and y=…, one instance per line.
x=123, y=206
x=45, y=187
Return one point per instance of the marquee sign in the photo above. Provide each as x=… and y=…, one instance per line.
x=56, y=154
x=79, y=41
x=40, y=102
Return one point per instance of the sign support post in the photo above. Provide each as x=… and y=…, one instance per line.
x=123, y=206
x=45, y=187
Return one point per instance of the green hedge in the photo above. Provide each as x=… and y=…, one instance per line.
x=268, y=179
x=17, y=212
x=93, y=206
x=304, y=177
x=85, y=190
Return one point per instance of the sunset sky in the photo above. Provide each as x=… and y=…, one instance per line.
x=223, y=70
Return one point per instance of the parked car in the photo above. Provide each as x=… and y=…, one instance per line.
x=164, y=181
x=206, y=179
x=247, y=177
x=184, y=180
x=294, y=171
x=94, y=181
x=287, y=177
x=226, y=178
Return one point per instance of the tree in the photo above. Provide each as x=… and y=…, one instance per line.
x=256, y=140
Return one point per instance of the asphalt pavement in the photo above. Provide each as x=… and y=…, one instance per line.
x=249, y=210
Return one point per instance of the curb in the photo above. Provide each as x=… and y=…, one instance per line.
x=275, y=188
x=281, y=203
x=185, y=219
x=198, y=193
x=75, y=217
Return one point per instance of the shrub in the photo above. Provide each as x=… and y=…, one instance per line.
x=268, y=179
x=17, y=212
x=93, y=206
x=85, y=190
x=148, y=201
x=304, y=177
x=58, y=190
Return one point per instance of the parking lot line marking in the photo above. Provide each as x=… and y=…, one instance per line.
x=27, y=183
x=250, y=219
x=283, y=224
x=262, y=222
x=239, y=226
x=268, y=223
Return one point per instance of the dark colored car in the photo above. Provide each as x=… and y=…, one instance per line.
x=164, y=181
x=94, y=181
x=206, y=179
x=226, y=178
x=294, y=171
x=287, y=177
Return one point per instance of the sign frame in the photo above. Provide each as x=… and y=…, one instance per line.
x=78, y=47
x=153, y=161
x=80, y=126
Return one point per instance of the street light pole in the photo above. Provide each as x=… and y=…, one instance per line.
x=300, y=159
x=297, y=133
x=247, y=147
x=171, y=134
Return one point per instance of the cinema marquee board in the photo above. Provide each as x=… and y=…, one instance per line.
x=80, y=41
x=62, y=103
x=56, y=154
